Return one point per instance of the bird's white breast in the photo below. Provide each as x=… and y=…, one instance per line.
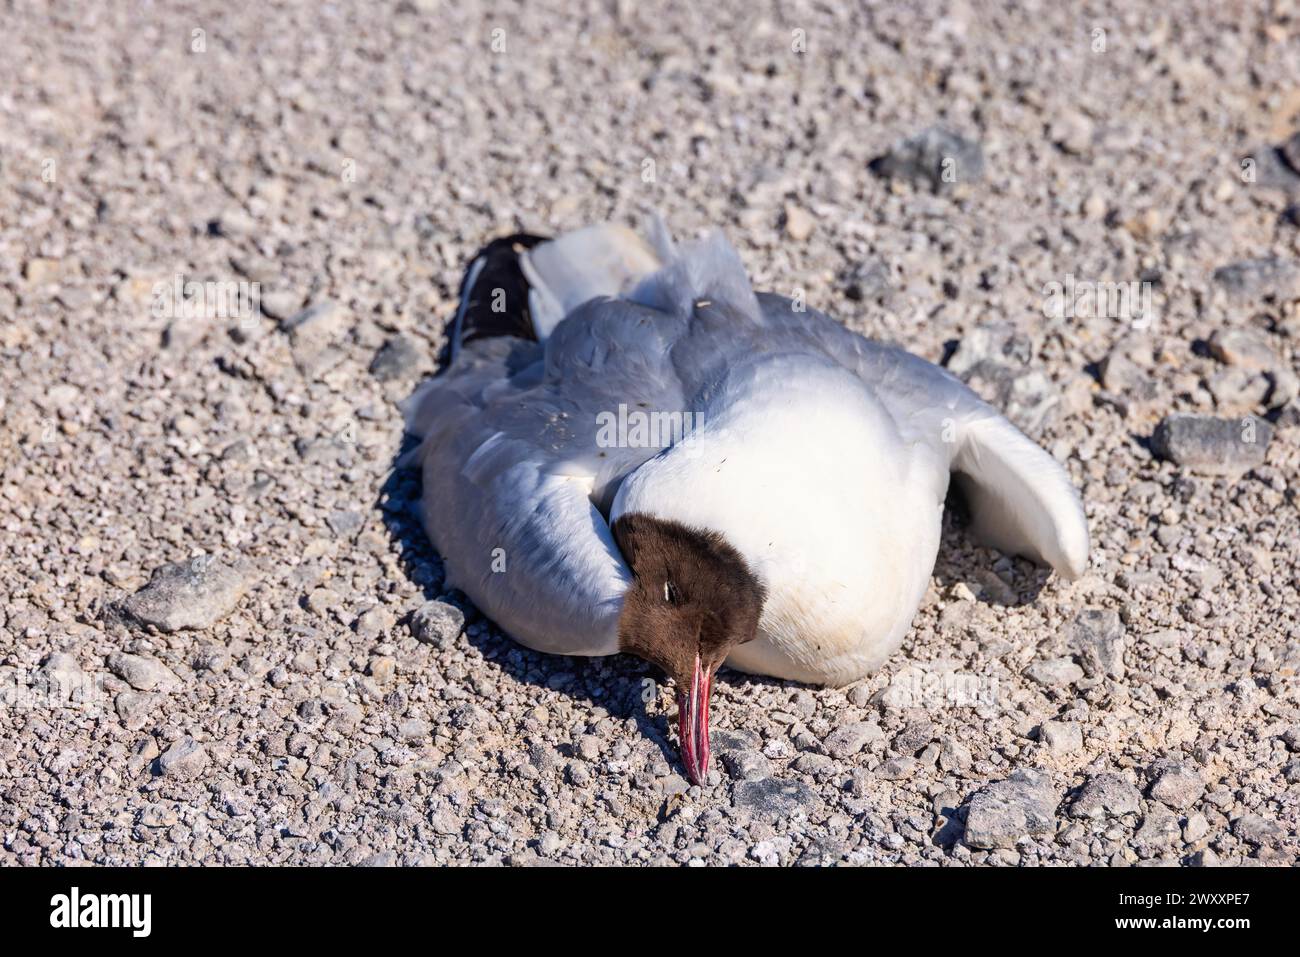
x=804, y=472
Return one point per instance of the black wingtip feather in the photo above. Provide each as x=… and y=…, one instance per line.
x=494, y=292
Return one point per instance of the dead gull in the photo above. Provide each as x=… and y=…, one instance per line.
x=631, y=451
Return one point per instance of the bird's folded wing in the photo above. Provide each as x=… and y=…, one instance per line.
x=530, y=549
x=517, y=533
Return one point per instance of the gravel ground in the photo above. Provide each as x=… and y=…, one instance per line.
x=211, y=570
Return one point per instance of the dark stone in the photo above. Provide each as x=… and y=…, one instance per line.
x=1005, y=812
x=772, y=799
x=396, y=359
x=1106, y=795
x=437, y=623
x=1096, y=638
x=866, y=280
x=1212, y=446
x=190, y=594
x=1259, y=278
x=935, y=157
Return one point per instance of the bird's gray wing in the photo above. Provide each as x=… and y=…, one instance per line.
x=1022, y=501
x=514, y=471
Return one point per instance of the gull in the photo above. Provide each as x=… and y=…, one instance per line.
x=632, y=451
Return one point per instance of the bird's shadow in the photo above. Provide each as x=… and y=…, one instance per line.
x=624, y=686
x=961, y=559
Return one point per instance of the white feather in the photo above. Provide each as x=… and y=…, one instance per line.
x=564, y=273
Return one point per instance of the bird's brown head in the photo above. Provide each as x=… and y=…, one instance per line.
x=692, y=599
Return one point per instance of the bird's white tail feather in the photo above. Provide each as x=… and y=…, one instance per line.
x=599, y=260
x=707, y=269
x=610, y=260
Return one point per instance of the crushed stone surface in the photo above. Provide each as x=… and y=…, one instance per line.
x=294, y=698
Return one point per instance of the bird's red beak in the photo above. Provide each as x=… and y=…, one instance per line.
x=693, y=724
